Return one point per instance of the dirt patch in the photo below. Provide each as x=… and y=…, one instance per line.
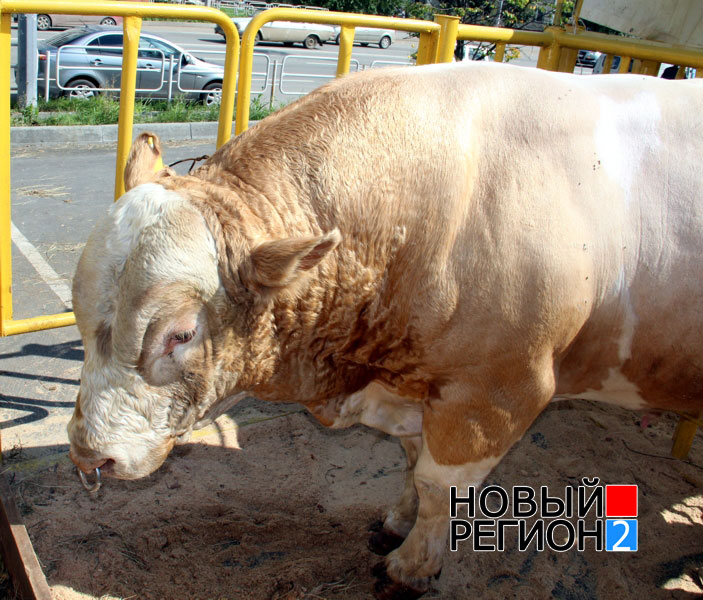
x=278, y=507
x=6, y=590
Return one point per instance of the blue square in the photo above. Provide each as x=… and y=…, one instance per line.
x=621, y=535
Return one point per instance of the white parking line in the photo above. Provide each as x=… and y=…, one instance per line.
x=58, y=284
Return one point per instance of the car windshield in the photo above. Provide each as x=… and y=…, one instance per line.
x=167, y=49
x=65, y=37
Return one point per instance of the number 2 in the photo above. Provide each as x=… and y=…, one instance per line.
x=616, y=545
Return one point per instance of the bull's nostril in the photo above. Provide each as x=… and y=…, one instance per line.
x=87, y=462
x=89, y=466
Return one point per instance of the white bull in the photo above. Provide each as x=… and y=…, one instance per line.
x=436, y=252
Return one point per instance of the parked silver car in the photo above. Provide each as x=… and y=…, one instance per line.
x=309, y=35
x=57, y=21
x=369, y=35
x=89, y=60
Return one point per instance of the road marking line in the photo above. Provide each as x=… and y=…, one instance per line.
x=58, y=284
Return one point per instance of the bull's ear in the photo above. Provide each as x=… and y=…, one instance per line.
x=144, y=163
x=280, y=263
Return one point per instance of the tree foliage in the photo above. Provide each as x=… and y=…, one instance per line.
x=507, y=13
x=371, y=7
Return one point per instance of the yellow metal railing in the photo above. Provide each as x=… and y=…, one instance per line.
x=426, y=52
x=559, y=47
x=133, y=14
x=452, y=31
x=649, y=54
x=559, y=50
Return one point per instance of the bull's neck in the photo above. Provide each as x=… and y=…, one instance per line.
x=338, y=332
x=334, y=334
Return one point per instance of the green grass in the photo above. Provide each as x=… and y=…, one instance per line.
x=231, y=12
x=103, y=110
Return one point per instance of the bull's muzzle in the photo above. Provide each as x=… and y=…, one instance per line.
x=87, y=460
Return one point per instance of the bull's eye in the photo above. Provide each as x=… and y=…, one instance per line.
x=183, y=337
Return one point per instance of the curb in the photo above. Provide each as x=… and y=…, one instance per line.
x=107, y=134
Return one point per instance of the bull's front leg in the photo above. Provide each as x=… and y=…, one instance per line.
x=389, y=534
x=407, y=571
x=465, y=433
x=376, y=407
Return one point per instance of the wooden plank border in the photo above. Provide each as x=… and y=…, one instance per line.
x=17, y=551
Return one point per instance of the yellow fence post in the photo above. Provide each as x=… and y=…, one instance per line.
x=346, y=44
x=229, y=86
x=500, y=53
x=684, y=434
x=5, y=188
x=567, y=60
x=128, y=84
x=569, y=56
x=650, y=67
x=246, y=66
x=427, y=48
x=548, y=57
x=449, y=28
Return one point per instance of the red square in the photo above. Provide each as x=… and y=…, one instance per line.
x=620, y=500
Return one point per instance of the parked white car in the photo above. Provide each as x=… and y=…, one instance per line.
x=369, y=35
x=309, y=35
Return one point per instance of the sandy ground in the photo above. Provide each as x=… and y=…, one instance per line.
x=269, y=505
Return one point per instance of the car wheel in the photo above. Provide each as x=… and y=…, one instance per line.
x=212, y=93
x=385, y=42
x=84, y=88
x=43, y=22
x=258, y=39
x=108, y=21
x=310, y=42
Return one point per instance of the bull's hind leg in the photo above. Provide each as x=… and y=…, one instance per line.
x=465, y=433
x=390, y=533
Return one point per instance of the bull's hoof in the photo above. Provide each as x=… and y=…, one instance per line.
x=387, y=589
x=376, y=525
x=383, y=542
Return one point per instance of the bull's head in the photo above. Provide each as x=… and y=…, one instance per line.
x=167, y=320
